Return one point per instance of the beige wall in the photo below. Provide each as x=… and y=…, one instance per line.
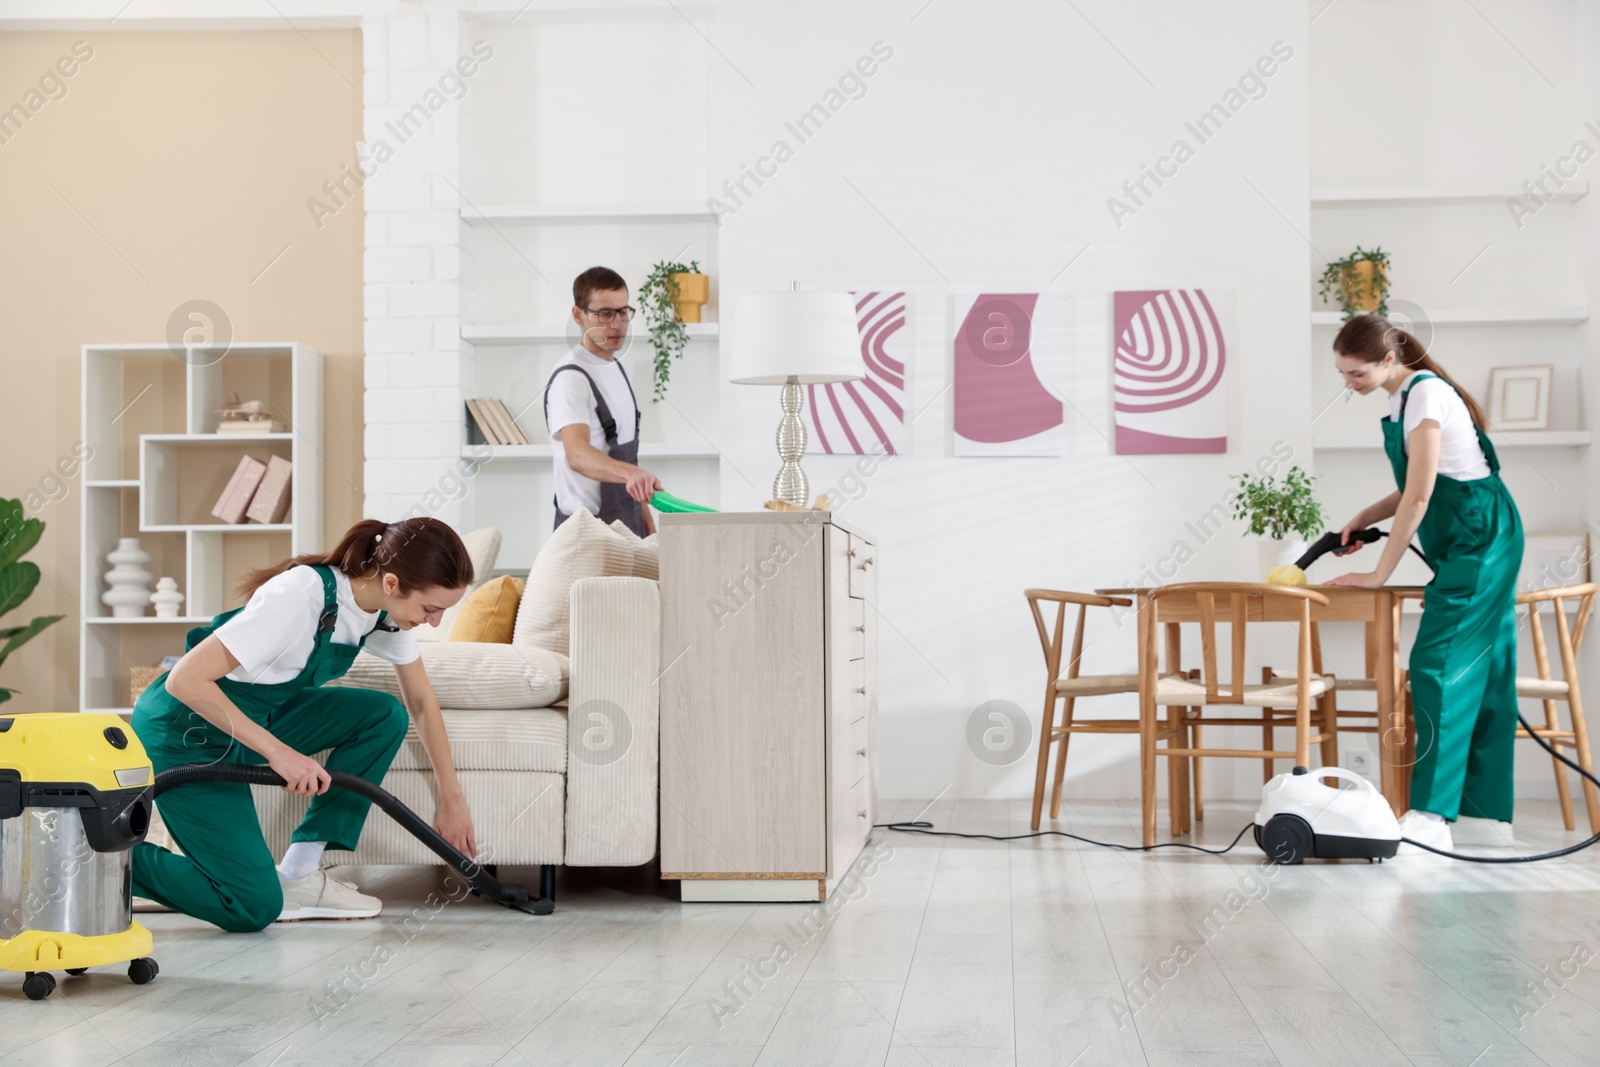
x=175, y=167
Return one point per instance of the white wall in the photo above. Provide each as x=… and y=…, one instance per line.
x=981, y=159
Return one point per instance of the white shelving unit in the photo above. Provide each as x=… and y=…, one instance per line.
x=156, y=469
x=1417, y=195
x=516, y=214
x=1568, y=316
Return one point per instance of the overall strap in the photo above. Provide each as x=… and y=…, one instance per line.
x=608, y=425
x=330, y=601
x=1405, y=394
x=637, y=414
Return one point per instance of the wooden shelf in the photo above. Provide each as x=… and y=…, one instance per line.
x=514, y=333
x=1508, y=438
x=1560, y=316
x=543, y=451
x=521, y=214
x=1419, y=195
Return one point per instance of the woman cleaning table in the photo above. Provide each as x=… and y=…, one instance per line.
x=1449, y=495
x=250, y=690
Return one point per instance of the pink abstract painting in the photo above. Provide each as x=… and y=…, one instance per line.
x=868, y=416
x=1008, y=349
x=1169, y=355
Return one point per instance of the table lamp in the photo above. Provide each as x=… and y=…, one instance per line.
x=791, y=339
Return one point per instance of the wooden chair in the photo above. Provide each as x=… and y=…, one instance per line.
x=1549, y=690
x=1066, y=686
x=1241, y=604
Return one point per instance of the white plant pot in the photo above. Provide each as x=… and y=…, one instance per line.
x=129, y=594
x=1277, y=552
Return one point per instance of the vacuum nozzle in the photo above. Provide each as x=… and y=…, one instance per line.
x=1330, y=542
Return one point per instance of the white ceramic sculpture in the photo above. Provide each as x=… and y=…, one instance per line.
x=129, y=581
x=166, y=598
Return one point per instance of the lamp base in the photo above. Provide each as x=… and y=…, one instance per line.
x=791, y=484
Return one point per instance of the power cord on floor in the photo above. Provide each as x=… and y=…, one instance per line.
x=924, y=827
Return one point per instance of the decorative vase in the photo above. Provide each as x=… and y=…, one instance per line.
x=1359, y=278
x=692, y=290
x=166, y=598
x=128, y=579
x=1277, y=552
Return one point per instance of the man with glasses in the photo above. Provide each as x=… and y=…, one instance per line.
x=592, y=414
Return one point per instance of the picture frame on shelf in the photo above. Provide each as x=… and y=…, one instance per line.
x=1553, y=559
x=1519, y=397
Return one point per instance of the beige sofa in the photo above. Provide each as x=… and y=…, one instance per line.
x=557, y=753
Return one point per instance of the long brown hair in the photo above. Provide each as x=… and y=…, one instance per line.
x=419, y=552
x=1371, y=337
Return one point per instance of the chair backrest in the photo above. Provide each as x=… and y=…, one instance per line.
x=1568, y=639
x=1051, y=638
x=1241, y=603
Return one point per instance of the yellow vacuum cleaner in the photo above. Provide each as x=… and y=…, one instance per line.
x=74, y=800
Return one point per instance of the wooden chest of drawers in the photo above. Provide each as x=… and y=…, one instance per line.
x=768, y=703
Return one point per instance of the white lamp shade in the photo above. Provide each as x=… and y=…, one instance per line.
x=809, y=335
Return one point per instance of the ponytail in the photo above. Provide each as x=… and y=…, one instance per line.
x=1371, y=337
x=420, y=552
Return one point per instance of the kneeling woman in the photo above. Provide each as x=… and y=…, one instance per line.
x=249, y=691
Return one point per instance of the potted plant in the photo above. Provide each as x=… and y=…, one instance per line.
x=1274, y=511
x=670, y=297
x=17, y=579
x=1359, y=282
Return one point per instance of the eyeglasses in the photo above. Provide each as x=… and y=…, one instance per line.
x=608, y=315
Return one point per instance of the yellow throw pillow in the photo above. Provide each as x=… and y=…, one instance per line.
x=489, y=614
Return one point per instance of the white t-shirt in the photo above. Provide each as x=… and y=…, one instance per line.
x=273, y=636
x=1460, y=456
x=571, y=403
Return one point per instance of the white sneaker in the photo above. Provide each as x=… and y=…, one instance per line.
x=1418, y=827
x=1483, y=833
x=317, y=896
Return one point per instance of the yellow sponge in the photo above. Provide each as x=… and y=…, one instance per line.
x=1288, y=574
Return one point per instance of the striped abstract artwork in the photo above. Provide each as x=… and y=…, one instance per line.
x=867, y=416
x=1169, y=357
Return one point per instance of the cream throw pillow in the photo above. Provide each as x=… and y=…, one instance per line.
x=581, y=547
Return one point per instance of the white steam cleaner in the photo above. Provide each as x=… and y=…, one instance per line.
x=1300, y=818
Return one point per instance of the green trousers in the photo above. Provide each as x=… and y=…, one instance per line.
x=226, y=875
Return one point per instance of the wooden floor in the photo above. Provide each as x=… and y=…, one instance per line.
x=949, y=952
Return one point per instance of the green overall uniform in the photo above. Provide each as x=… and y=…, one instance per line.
x=226, y=875
x=1463, y=665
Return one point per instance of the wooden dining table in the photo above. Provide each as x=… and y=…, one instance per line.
x=1376, y=608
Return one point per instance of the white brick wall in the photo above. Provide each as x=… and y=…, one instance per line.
x=414, y=365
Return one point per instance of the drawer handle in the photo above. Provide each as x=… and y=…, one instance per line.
x=861, y=689
x=861, y=752
x=864, y=564
x=861, y=629
x=862, y=814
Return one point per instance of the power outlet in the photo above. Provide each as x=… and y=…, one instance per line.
x=1360, y=762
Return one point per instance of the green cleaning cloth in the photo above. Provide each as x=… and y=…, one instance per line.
x=666, y=502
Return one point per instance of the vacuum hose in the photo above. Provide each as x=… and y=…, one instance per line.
x=512, y=896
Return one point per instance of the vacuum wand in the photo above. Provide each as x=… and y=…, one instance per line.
x=512, y=896
x=1295, y=573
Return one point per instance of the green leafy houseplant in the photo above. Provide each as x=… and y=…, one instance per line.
x=668, y=335
x=1359, y=282
x=1274, y=509
x=17, y=579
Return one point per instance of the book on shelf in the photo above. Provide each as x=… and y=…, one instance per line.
x=494, y=422
x=271, y=501
x=249, y=426
x=480, y=419
x=508, y=425
x=235, y=499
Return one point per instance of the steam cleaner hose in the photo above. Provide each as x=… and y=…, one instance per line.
x=512, y=896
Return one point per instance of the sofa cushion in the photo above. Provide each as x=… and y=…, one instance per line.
x=581, y=547
x=483, y=546
x=473, y=676
x=534, y=739
x=490, y=613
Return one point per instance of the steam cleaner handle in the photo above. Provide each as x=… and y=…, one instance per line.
x=1330, y=542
